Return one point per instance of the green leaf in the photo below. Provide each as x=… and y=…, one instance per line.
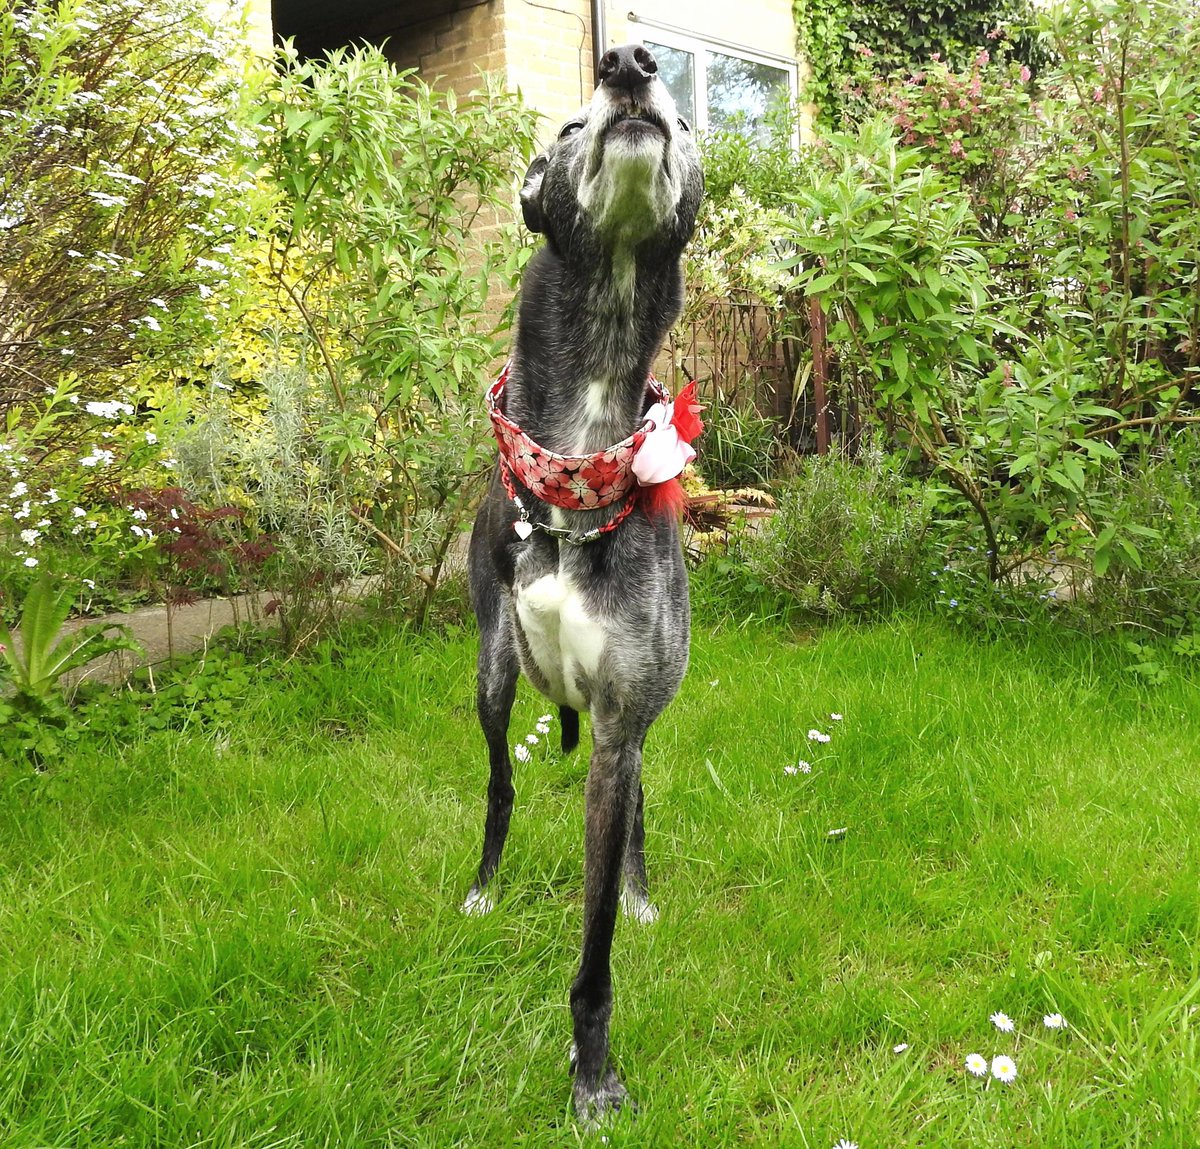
x=315, y=133
x=821, y=283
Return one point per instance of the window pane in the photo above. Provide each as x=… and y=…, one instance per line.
x=675, y=70
x=740, y=91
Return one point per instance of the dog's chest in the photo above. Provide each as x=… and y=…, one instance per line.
x=562, y=638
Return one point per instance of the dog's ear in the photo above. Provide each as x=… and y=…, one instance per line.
x=531, y=193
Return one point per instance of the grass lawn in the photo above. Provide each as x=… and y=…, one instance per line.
x=250, y=936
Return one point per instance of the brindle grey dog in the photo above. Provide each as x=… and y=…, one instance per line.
x=600, y=625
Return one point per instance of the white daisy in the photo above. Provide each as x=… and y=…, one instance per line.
x=844, y=1144
x=900, y=1048
x=1054, y=1021
x=1002, y=1022
x=817, y=736
x=1004, y=1068
x=521, y=752
x=976, y=1064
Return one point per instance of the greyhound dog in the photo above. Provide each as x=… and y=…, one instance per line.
x=576, y=579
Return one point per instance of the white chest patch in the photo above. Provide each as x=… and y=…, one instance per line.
x=564, y=640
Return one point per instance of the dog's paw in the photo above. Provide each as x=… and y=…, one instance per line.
x=596, y=1105
x=638, y=907
x=478, y=902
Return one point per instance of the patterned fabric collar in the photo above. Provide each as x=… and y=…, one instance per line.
x=643, y=470
x=571, y=482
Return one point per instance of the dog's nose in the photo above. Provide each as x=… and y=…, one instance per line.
x=630, y=67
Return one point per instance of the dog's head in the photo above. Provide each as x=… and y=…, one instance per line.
x=624, y=171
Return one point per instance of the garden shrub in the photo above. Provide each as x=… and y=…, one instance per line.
x=122, y=201
x=287, y=482
x=366, y=442
x=121, y=189
x=849, y=43
x=974, y=125
x=1035, y=334
x=332, y=219
x=1162, y=591
x=848, y=535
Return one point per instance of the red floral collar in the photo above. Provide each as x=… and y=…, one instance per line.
x=591, y=482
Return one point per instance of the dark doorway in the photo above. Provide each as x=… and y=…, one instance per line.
x=316, y=26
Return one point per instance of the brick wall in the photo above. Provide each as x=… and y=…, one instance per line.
x=451, y=50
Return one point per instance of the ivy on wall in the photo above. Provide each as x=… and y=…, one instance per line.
x=846, y=42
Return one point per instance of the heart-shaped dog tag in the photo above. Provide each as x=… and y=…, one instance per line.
x=523, y=529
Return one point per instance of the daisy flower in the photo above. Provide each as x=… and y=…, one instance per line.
x=844, y=1144
x=835, y=717
x=1004, y=1068
x=1054, y=1021
x=521, y=752
x=976, y=1064
x=900, y=1048
x=817, y=736
x=1002, y=1022
x=532, y=739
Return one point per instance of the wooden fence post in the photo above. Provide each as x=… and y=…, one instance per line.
x=816, y=325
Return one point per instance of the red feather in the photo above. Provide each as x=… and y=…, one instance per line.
x=686, y=419
x=663, y=500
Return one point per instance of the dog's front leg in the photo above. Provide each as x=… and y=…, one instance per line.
x=496, y=689
x=611, y=806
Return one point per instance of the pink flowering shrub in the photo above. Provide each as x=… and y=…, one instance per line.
x=971, y=124
x=1010, y=282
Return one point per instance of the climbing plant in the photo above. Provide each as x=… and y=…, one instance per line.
x=847, y=42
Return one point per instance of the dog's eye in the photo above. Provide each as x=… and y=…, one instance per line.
x=685, y=125
x=570, y=128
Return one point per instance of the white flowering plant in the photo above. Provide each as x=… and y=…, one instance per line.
x=122, y=190
x=67, y=467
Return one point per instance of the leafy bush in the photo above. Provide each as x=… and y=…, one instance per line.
x=122, y=203
x=64, y=504
x=974, y=125
x=288, y=486
x=383, y=244
x=848, y=536
x=1162, y=591
x=1033, y=355
x=354, y=256
x=862, y=39
x=120, y=186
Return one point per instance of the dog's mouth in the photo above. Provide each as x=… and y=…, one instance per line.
x=634, y=119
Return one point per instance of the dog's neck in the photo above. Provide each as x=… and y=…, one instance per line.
x=586, y=339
